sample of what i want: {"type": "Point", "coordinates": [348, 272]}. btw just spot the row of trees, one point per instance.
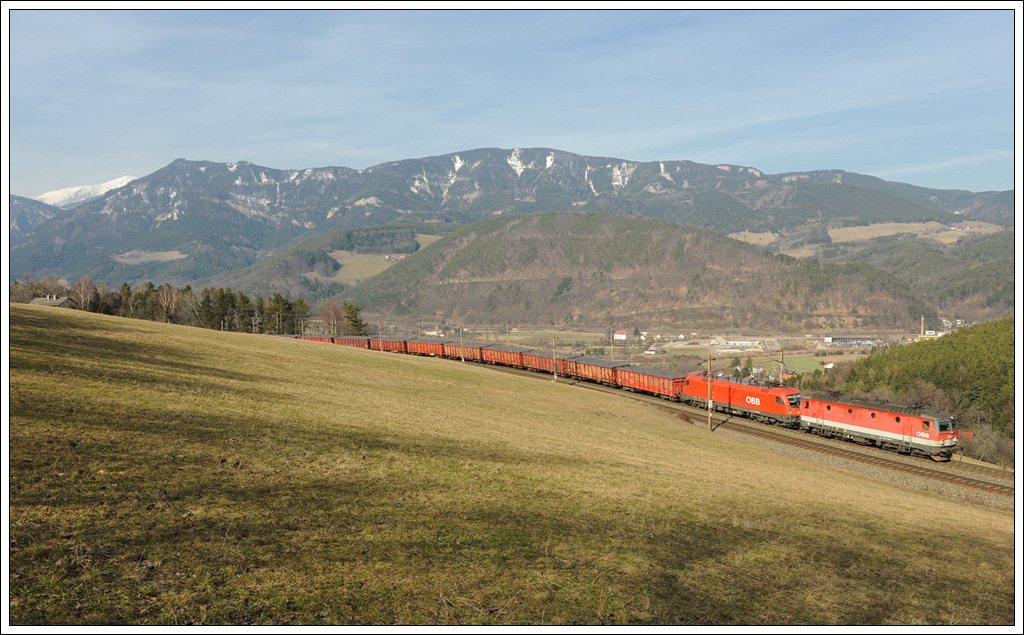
{"type": "Point", "coordinates": [211, 307]}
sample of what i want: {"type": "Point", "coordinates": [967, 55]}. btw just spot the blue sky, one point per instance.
{"type": "Point", "coordinates": [919, 97]}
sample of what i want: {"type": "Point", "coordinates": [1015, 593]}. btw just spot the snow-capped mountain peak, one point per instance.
{"type": "Point", "coordinates": [71, 196]}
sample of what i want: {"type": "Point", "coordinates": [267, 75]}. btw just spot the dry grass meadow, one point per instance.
{"type": "Point", "coordinates": [170, 475]}
{"type": "Point", "coordinates": [357, 268]}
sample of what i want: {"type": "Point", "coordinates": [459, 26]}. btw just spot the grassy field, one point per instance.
{"type": "Point", "coordinates": [169, 475]}
{"type": "Point", "coordinates": [755, 238]}
{"type": "Point", "coordinates": [355, 268]}
{"type": "Point", "coordinates": [794, 363]}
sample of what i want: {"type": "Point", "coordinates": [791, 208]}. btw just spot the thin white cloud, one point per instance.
{"type": "Point", "coordinates": [359, 88]}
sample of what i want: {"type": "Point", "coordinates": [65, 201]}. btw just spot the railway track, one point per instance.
{"type": "Point", "coordinates": [805, 441]}
{"type": "Point", "coordinates": [853, 455]}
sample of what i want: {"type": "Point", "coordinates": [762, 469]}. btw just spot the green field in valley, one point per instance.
{"type": "Point", "coordinates": [166, 475]}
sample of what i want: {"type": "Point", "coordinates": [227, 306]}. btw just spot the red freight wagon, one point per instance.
{"type": "Point", "coordinates": [771, 404]}
{"type": "Point", "coordinates": [387, 345]}
{"type": "Point", "coordinates": [663, 383]}
{"type": "Point", "coordinates": [543, 362]}
{"type": "Point", "coordinates": [470, 352]}
{"type": "Point", "coordinates": [318, 338]}
{"type": "Point", "coordinates": [503, 355]}
{"type": "Point", "coordinates": [590, 369]}
{"type": "Point", "coordinates": [425, 347]}
{"type": "Point", "coordinates": [355, 341]}
{"type": "Point", "coordinates": [903, 428]}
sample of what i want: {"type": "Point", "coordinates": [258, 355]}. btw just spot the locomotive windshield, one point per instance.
{"type": "Point", "coordinates": [945, 425]}
{"type": "Point", "coordinates": [794, 400]}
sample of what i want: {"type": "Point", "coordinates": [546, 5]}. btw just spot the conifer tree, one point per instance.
{"type": "Point", "coordinates": [354, 324]}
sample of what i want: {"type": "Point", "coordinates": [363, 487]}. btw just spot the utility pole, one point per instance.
{"type": "Point", "coordinates": [554, 357]}
{"type": "Point", "coordinates": [508, 335]}
{"type": "Point", "coordinates": [710, 403]}
{"type": "Point", "coordinates": [380, 335]}
{"type": "Point", "coordinates": [462, 344]}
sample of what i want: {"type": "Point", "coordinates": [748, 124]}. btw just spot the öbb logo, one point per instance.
{"type": "Point", "coordinates": [754, 401]}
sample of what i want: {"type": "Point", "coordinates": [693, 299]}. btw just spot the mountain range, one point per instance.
{"type": "Point", "coordinates": [201, 222]}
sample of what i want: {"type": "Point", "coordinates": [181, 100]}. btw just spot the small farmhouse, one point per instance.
{"type": "Point", "coordinates": [61, 301]}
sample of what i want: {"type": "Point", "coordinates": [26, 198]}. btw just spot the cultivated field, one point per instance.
{"type": "Point", "coordinates": [938, 231]}
{"type": "Point", "coordinates": [935, 230]}
{"type": "Point", "coordinates": [170, 475]}
{"type": "Point", "coordinates": [137, 257]}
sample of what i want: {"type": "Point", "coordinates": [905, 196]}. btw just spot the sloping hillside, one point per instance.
{"type": "Point", "coordinates": [167, 475]}
{"type": "Point", "coordinates": [27, 214]}
{"type": "Point", "coordinates": [973, 367]}
{"type": "Point", "coordinates": [973, 278]}
{"type": "Point", "coordinates": [595, 270]}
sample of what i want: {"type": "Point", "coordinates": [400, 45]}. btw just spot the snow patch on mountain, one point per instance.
{"type": "Point", "coordinates": [421, 183]}
{"type": "Point", "coordinates": [71, 196]}
{"type": "Point", "coordinates": [621, 174]}
{"type": "Point", "coordinates": [515, 162]}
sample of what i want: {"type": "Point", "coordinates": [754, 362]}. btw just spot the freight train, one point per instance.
{"type": "Point", "coordinates": [904, 429]}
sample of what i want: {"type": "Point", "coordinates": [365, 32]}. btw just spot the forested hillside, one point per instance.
{"type": "Point", "coordinates": [972, 366]}
{"type": "Point", "coordinates": [579, 269]}
{"type": "Point", "coordinates": [974, 273]}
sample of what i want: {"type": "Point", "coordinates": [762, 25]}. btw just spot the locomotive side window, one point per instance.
{"type": "Point", "coordinates": [945, 425]}
{"type": "Point", "coordinates": [872, 415]}
{"type": "Point", "coordinates": [849, 411]}
{"type": "Point", "coordinates": [778, 400]}
{"type": "Point", "coordinates": [828, 407]}
{"type": "Point", "coordinates": [897, 419]}
{"type": "Point", "coordinates": [927, 425]}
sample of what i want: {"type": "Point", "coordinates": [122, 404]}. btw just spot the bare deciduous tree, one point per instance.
{"type": "Point", "coordinates": [82, 291]}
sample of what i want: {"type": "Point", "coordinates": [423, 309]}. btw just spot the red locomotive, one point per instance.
{"type": "Point", "coordinates": [769, 404]}
{"type": "Point", "coordinates": [906, 429]}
